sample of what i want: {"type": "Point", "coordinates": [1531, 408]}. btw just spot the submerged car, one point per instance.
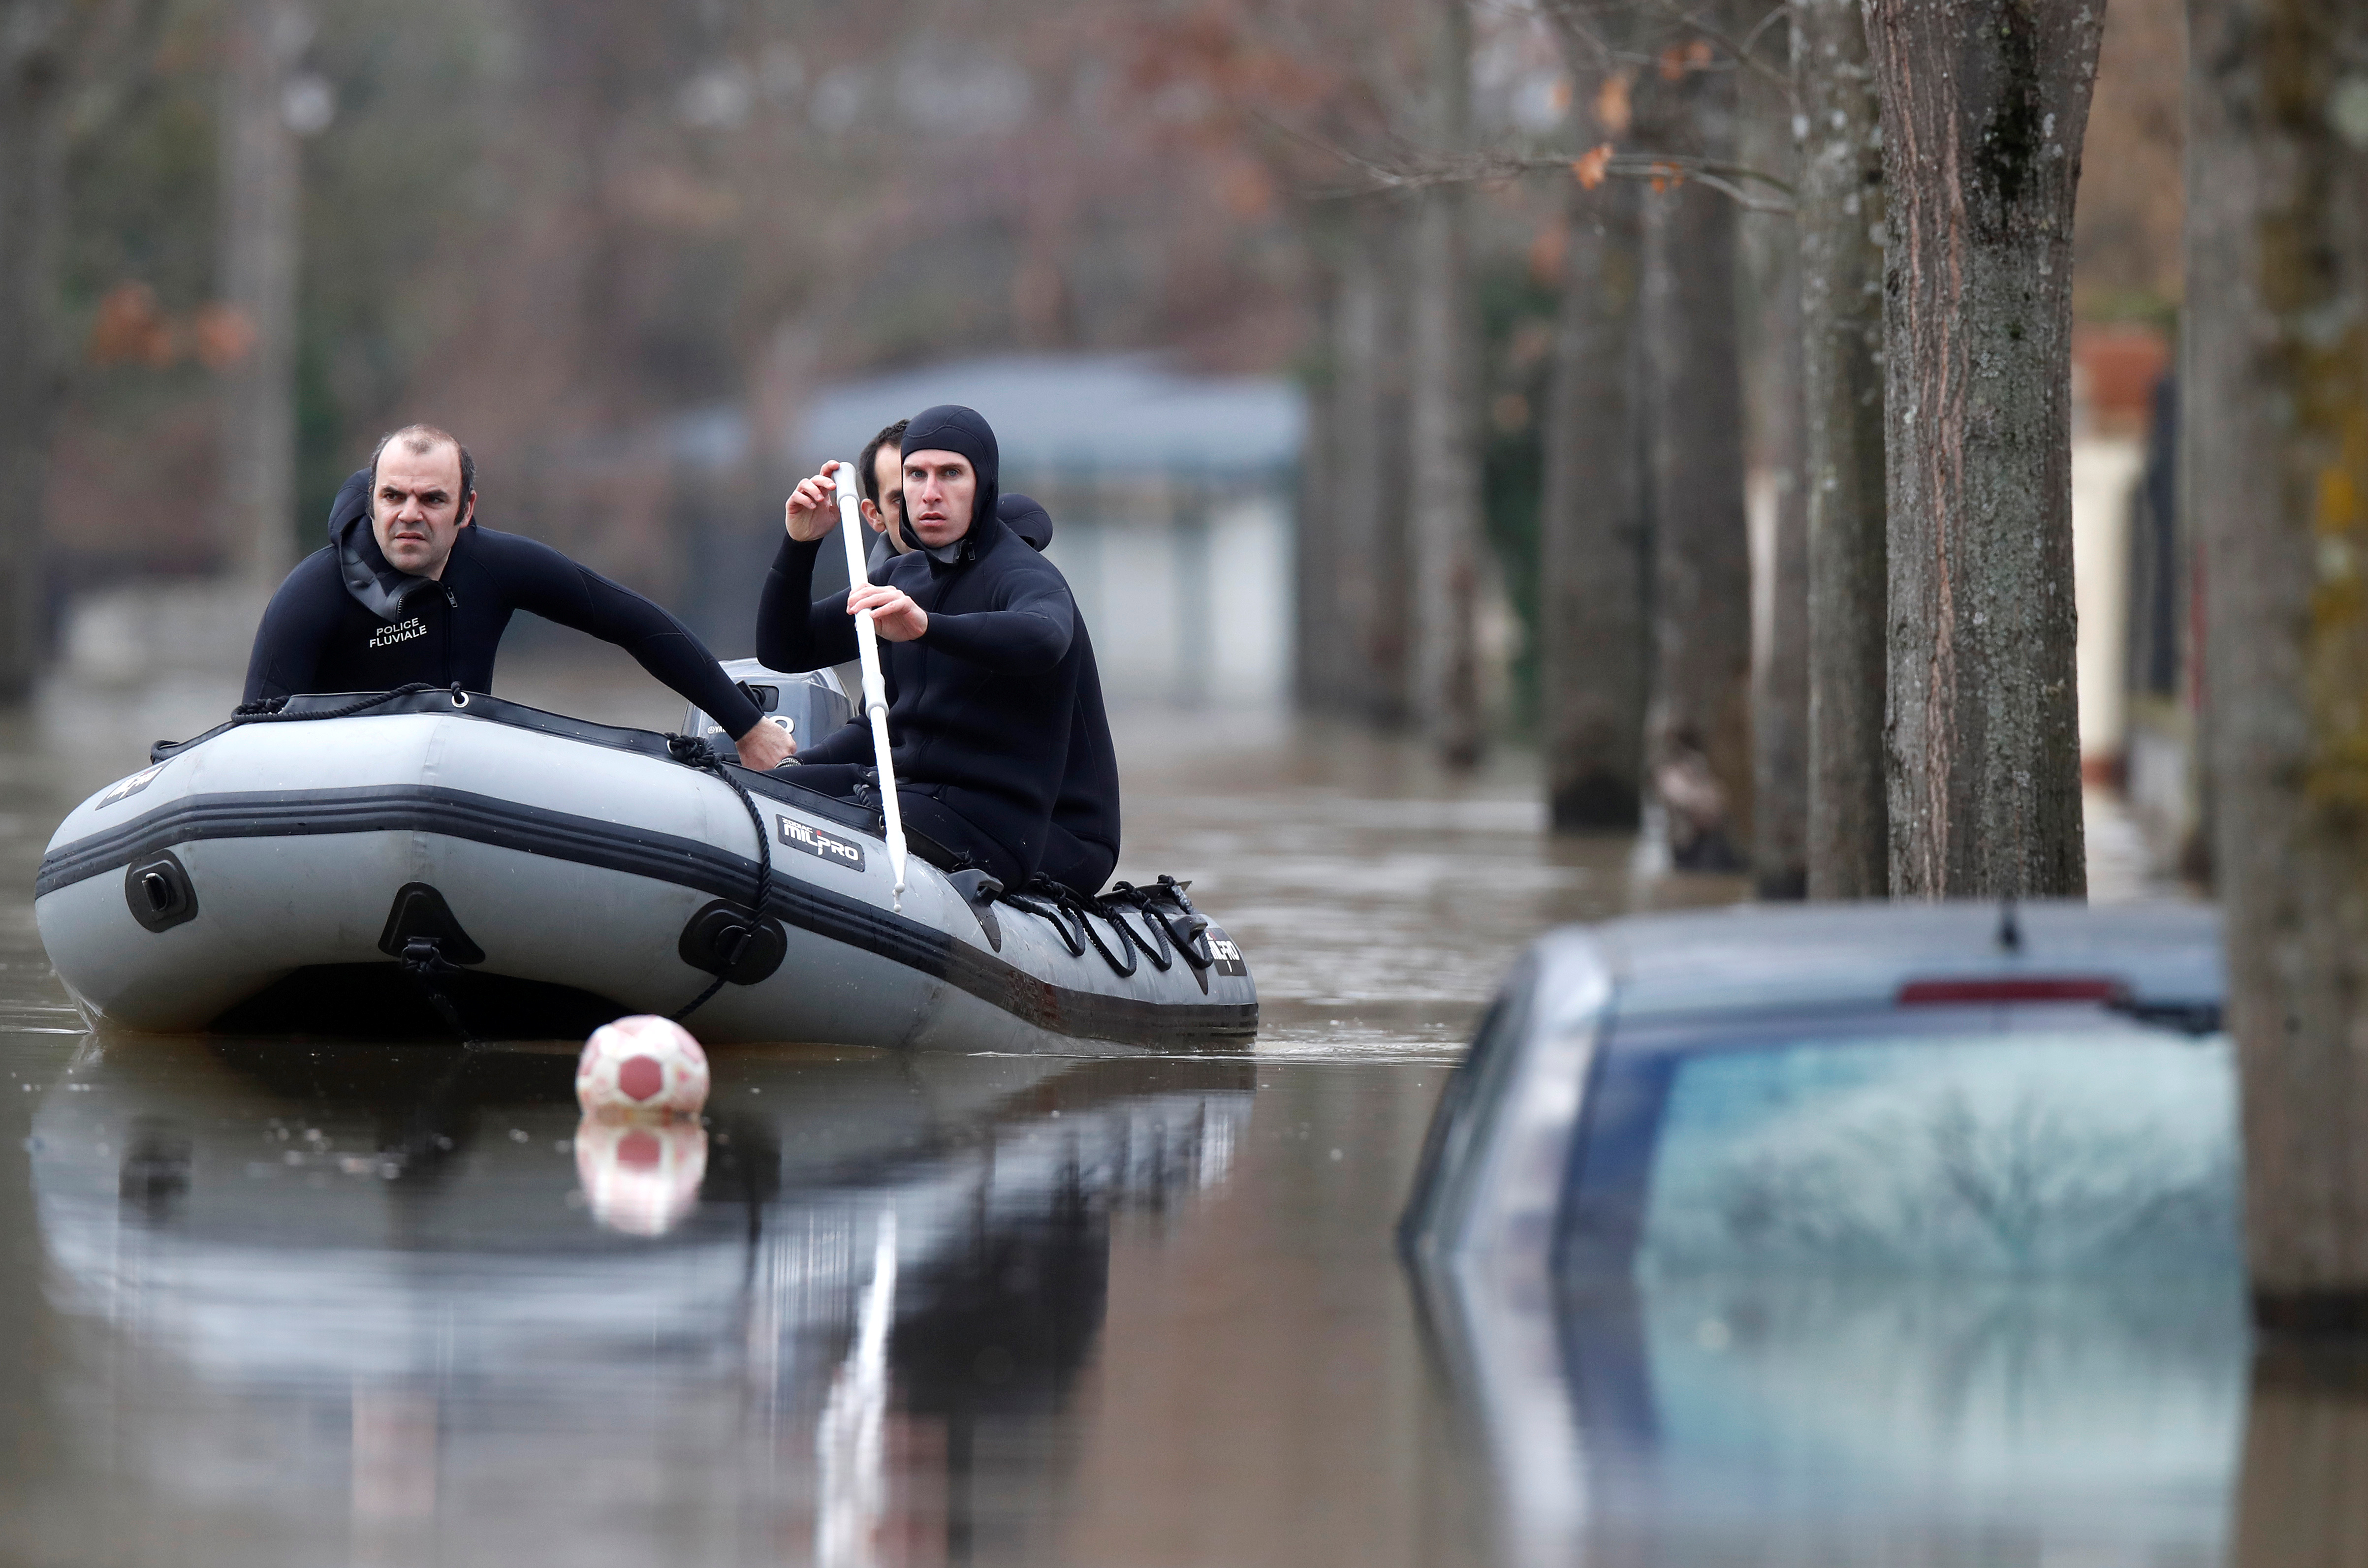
{"type": "Point", "coordinates": [1840, 1228]}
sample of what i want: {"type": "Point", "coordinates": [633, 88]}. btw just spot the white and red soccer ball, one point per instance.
{"type": "Point", "coordinates": [641, 1067]}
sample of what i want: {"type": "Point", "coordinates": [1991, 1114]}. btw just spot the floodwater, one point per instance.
{"type": "Point", "coordinates": [314, 1304]}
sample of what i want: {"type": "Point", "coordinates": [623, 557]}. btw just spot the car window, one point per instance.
{"type": "Point", "coordinates": [2092, 1146]}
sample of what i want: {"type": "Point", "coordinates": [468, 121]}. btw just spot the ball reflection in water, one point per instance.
{"type": "Point", "coordinates": [642, 1066]}
{"type": "Point", "coordinates": [640, 1178]}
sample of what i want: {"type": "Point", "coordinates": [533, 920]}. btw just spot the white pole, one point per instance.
{"type": "Point", "coordinates": [875, 698]}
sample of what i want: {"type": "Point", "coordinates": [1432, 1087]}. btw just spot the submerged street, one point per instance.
{"type": "Point", "coordinates": [302, 1302]}
{"type": "Point", "coordinates": [297, 1300]}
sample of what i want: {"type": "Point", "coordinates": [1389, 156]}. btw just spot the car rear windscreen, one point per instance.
{"type": "Point", "coordinates": [2081, 1146]}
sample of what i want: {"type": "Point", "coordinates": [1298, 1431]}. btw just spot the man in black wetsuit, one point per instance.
{"type": "Point", "coordinates": [410, 589]}
{"type": "Point", "coordinates": [982, 658]}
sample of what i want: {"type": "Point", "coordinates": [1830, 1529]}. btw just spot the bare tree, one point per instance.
{"type": "Point", "coordinates": [1368, 550]}
{"type": "Point", "coordinates": [259, 171]}
{"type": "Point", "coordinates": [1592, 533]}
{"type": "Point", "coordinates": [34, 49]}
{"type": "Point", "coordinates": [1840, 222]}
{"type": "Point", "coordinates": [1984, 104]}
{"type": "Point", "coordinates": [2275, 471]}
{"type": "Point", "coordinates": [1699, 723]}
{"type": "Point", "coordinates": [1445, 434]}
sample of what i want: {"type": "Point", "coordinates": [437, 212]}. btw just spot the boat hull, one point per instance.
{"type": "Point", "coordinates": [573, 859]}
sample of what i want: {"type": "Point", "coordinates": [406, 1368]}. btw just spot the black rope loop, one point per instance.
{"type": "Point", "coordinates": [1031, 899]}
{"type": "Point", "coordinates": [1085, 919]}
{"type": "Point", "coordinates": [1042, 891]}
{"type": "Point", "coordinates": [1196, 925]}
{"type": "Point", "coordinates": [1126, 895]}
{"type": "Point", "coordinates": [692, 752]}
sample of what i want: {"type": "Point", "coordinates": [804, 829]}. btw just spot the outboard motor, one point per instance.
{"type": "Point", "coordinates": [809, 706]}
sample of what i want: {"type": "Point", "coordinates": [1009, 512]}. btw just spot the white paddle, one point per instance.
{"type": "Point", "coordinates": [876, 699]}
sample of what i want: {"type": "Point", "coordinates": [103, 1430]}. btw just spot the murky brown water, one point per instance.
{"type": "Point", "coordinates": [274, 1305]}
{"type": "Point", "coordinates": [283, 1304]}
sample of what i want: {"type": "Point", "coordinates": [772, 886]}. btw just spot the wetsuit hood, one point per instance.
{"type": "Point", "coordinates": [1025, 516]}
{"type": "Point", "coordinates": [376, 583]}
{"type": "Point", "coordinates": [949, 428]}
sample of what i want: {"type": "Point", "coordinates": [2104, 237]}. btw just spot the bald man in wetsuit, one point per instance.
{"type": "Point", "coordinates": [410, 589]}
{"type": "Point", "coordinates": [981, 654]}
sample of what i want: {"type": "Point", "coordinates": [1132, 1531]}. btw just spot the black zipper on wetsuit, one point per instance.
{"type": "Point", "coordinates": [451, 607]}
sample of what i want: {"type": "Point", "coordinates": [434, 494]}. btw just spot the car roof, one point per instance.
{"type": "Point", "coordinates": [1753, 958]}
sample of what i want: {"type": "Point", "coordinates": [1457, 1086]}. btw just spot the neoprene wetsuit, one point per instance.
{"type": "Point", "coordinates": [318, 635]}
{"type": "Point", "coordinates": [980, 706]}
{"type": "Point", "coordinates": [1082, 848]}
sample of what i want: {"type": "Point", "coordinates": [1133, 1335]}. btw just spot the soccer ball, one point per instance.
{"type": "Point", "coordinates": [641, 1066]}
{"type": "Point", "coordinates": [639, 1177]}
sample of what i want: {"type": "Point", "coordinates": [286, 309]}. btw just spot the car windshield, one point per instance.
{"type": "Point", "coordinates": [1987, 1143]}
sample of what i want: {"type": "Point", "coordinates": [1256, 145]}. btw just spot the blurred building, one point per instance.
{"type": "Point", "coordinates": [2133, 582]}
{"type": "Point", "coordinates": [1171, 497]}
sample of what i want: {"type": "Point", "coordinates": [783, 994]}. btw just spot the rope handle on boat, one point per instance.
{"type": "Point", "coordinates": [1071, 916]}
{"type": "Point", "coordinates": [424, 961]}
{"type": "Point", "coordinates": [694, 752]}
{"type": "Point", "coordinates": [273, 709]}
{"type": "Point", "coordinates": [1196, 925]}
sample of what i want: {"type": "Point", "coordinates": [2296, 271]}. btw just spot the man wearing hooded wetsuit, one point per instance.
{"type": "Point", "coordinates": [409, 588]}
{"type": "Point", "coordinates": [981, 654]}
{"type": "Point", "coordinates": [1081, 846]}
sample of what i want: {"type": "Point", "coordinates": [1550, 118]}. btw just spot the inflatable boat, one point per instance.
{"type": "Point", "coordinates": [420, 862]}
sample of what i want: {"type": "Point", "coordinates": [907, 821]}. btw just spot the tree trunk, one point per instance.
{"type": "Point", "coordinates": [1984, 105]}
{"type": "Point", "coordinates": [1320, 661]}
{"type": "Point", "coordinates": [1780, 669]}
{"type": "Point", "coordinates": [1840, 216]}
{"type": "Point", "coordinates": [1591, 544]}
{"type": "Point", "coordinates": [32, 90]}
{"type": "Point", "coordinates": [1446, 524]}
{"type": "Point", "coordinates": [1369, 544]}
{"type": "Point", "coordinates": [258, 206]}
{"type": "Point", "coordinates": [1700, 721]}
{"type": "Point", "coordinates": [2299, 1502]}
{"type": "Point", "coordinates": [2276, 464]}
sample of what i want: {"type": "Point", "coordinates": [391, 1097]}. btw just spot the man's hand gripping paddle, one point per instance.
{"type": "Point", "coordinates": [876, 699]}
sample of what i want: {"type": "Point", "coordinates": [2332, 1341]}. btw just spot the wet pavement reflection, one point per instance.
{"type": "Point", "coordinates": [305, 1302]}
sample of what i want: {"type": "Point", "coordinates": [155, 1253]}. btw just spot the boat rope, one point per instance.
{"type": "Point", "coordinates": [695, 753]}
{"type": "Point", "coordinates": [273, 709]}
{"type": "Point", "coordinates": [1067, 924]}
{"type": "Point", "coordinates": [1071, 915]}
{"type": "Point", "coordinates": [424, 961]}
{"type": "Point", "coordinates": [1126, 895]}
{"type": "Point", "coordinates": [1196, 925]}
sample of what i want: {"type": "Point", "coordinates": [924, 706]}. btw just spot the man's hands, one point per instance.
{"type": "Point", "coordinates": [812, 510]}
{"type": "Point", "coordinates": [893, 613]}
{"type": "Point", "coordinates": [810, 513]}
{"type": "Point", "coordinates": [766, 746]}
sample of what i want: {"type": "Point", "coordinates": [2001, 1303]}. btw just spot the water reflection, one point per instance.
{"type": "Point", "coordinates": [1800, 1419]}
{"type": "Point", "coordinates": [403, 1285]}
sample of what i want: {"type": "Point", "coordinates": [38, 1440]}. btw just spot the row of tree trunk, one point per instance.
{"type": "Point", "coordinates": [1915, 715]}
{"type": "Point", "coordinates": [1908, 723]}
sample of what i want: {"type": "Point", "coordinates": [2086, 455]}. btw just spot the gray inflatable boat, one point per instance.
{"type": "Point", "coordinates": [418, 862]}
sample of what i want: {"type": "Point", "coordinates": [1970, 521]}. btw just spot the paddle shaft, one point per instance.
{"type": "Point", "coordinates": [875, 696]}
